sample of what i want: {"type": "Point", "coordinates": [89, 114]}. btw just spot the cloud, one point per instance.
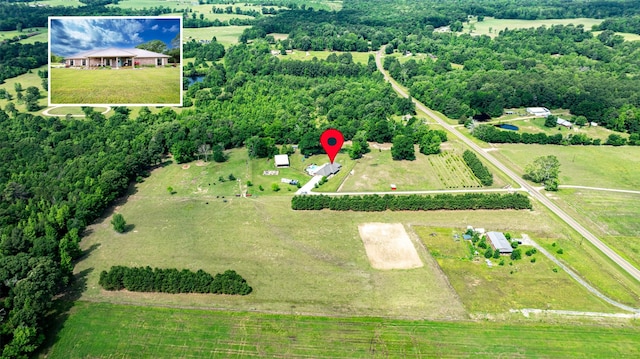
{"type": "Point", "coordinates": [173, 28]}
{"type": "Point", "coordinates": [155, 27]}
{"type": "Point", "coordinates": [73, 35]}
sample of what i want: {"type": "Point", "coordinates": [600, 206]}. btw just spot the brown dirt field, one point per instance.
{"type": "Point", "coordinates": [388, 246]}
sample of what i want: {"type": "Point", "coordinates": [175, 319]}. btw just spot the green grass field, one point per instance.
{"type": "Point", "coordinates": [126, 86]}
{"type": "Point", "coordinates": [226, 35]}
{"type": "Point", "coordinates": [73, 3]}
{"type": "Point", "coordinates": [26, 80]}
{"type": "Point", "coordinates": [377, 170]}
{"type": "Point", "coordinates": [492, 27]}
{"type": "Point", "coordinates": [100, 330]}
{"type": "Point", "coordinates": [594, 166]}
{"type": "Point", "coordinates": [72, 110]}
{"type": "Point", "coordinates": [305, 262]}
{"type": "Point", "coordinates": [612, 216]}
{"type": "Point", "coordinates": [627, 36]}
{"type": "Point", "coordinates": [358, 57]}
{"type": "Point", "coordinates": [499, 288]}
{"type": "Point", "coordinates": [536, 125]}
{"type": "Point", "coordinates": [41, 36]}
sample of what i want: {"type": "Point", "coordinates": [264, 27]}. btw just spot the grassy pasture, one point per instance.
{"type": "Point", "coordinates": [73, 110]}
{"type": "Point", "coordinates": [226, 35]}
{"type": "Point", "coordinates": [71, 3]}
{"type": "Point", "coordinates": [100, 330]}
{"type": "Point", "coordinates": [42, 35]}
{"type": "Point", "coordinates": [377, 170]}
{"type": "Point", "coordinates": [298, 262]}
{"type": "Point", "coordinates": [612, 216]}
{"type": "Point", "coordinates": [358, 57]}
{"type": "Point", "coordinates": [497, 289]}
{"type": "Point", "coordinates": [492, 27]}
{"type": "Point", "coordinates": [627, 36]}
{"type": "Point", "coordinates": [26, 80]}
{"type": "Point", "coordinates": [126, 86]}
{"type": "Point", "coordinates": [594, 166]}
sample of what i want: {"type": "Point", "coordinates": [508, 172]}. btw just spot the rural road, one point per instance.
{"type": "Point", "coordinates": [601, 189]}
{"type": "Point", "coordinates": [624, 264]}
{"type": "Point", "coordinates": [480, 190]}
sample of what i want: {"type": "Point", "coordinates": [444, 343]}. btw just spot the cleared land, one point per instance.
{"type": "Point", "coordinates": [37, 34]}
{"type": "Point", "coordinates": [358, 57]}
{"type": "Point", "coordinates": [100, 330]}
{"type": "Point", "coordinates": [388, 246]}
{"type": "Point", "coordinates": [515, 284]}
{"type": "Point", "coordinates": [126, 86]}
{"type": "Point", "coordinates": [376, 171]}
{"type": "Point", "coordinates": [612, 216]}
{"type": "Point", "coordinates": [26, 80]}
{"type": "Point", "coordinates": [226, 35]}
{"type": "Point", "coordinates": [72, 110]}
{"type": "Point", "coordinates": [492, 27]}
{"type": "Point", "coordinates": [298, 261]}
{"type": "Point", "coordinates": [594, 166]}
{"type": "Point", "coordinates": [536, 125]}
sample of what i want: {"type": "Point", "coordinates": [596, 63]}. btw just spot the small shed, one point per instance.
{"type": "Point", "coordinates": [281, 160]}
{"type": "Point", "coordinates": [393, 187]}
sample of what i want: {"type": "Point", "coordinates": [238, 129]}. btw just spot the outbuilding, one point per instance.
{"type": "Point", "coordinates": [499, 242]}
{"type": "Point", "coordinates": [538, 111]}
{"type": "Point", "coordinates": [281, 160]}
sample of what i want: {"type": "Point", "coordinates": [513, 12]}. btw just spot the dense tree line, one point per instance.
{"type": "Point", "coordinates": [492, 134]}
{"type": "Point", "coordinates": [20, 16]}
{"type": "Point", "coordinates": [629, 24]}
{"type": "Point", "coordinates": [375, 203]}
{"type": "Point", "coordinates": [55, 178]}
{"type": "Point", "coordinates": [479, 170]}
{"type": "Point", "coordinates": [17, 59]}
{"type": "Point", "coordinates": [145, 279]}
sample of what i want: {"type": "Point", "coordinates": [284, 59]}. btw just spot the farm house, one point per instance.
{"type": "Point", "coordinates": [116, 58]}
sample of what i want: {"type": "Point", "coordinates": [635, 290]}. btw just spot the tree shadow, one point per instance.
{"type": "Point", "coordinates": [128, 228]}
{"type": "Point", "coordinates": [61, 309]}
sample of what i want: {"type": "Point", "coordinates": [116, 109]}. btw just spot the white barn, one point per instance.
{"type": "Point", "coordinates": [281, 160]}
{"type": "Point", "coordinates": [499, 242]}
{"type": "Point", "coordinates": [538, 111]}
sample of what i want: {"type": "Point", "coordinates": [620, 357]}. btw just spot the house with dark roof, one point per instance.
{"type": "Point", "coordinates": [116, 58]}
{"type": "Point", "coordinates": [328, 169]}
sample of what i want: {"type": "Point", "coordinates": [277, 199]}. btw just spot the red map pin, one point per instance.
{"type": "Point", "coordinates": [332, 141]}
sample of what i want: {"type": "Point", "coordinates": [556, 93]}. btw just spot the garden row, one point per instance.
{"type": "Point", "coordinates": [480, 170]}
{"type": "Point", "coordinates": [452, 172]}
{"type": "Point", "coordinates": [145, 279]}
{"type": "Point", "coordinates": [375, 203]}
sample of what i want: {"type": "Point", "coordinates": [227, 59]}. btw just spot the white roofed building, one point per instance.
{"type": "Point", "coordinates": [499, 242]}
{"type": "Point", "coordinates": [538, 111]}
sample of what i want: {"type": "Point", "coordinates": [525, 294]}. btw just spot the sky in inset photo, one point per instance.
{"type": "Point", "coordinates": [77, 34]}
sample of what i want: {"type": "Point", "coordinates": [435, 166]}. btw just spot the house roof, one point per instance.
{"type": "Point", "coordinates": [117, 52]}
{"type": "Point", "coordinates": [499, 242]}
{"type": "Point", "coordinates": [281, 160]}
{"type": "Point", "coordinates": [328, 169]}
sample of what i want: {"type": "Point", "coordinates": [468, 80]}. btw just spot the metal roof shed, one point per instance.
{"type": "Point", "coordinates": [499, 242]}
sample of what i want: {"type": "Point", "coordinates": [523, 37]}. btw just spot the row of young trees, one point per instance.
{"type": "Point", "coordinates": [479, 170]}
{"type": "Point", "coordinates": [145, 279]}
{"type": "Point", "coordinates": [376, 203]}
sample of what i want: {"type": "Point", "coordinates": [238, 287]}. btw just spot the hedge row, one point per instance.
{"type": "Point", "coordinates": [375, 203]}
{"type": "Point", "coordinates": [145, 279]}
{"type": "Point", "coordinates": [480, 170]}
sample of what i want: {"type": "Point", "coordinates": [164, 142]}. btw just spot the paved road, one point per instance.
{"type": "Point", "coordinates": [624, 264]}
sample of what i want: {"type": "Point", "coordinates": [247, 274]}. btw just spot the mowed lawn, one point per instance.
{"type": "Point", "coordinates": [226, 35]}
{"type": "Point", "coordinates": [100, 330]}
{"type": "Point", "coordinates": [121, 86]}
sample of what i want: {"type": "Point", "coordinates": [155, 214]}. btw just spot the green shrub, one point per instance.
{"type": "Point", "coordinates": [118, 222]}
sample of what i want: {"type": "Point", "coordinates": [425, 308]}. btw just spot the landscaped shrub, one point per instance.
{"type": "Point", "coordinates": [145, 279]}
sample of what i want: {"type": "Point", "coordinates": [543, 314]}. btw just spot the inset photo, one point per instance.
{"type": "Point", "coordinates": [115, 61]}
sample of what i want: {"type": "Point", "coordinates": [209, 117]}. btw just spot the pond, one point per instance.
{"type": "Point", "coordinates": [508, 127]}
{"type": "Point", "coordinates": [194, 79]}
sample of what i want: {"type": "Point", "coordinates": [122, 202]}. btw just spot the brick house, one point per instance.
{"type": "Point", "coordinates": [116, 58]}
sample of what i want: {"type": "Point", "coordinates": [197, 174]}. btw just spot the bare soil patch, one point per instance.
{"type": "Point", "coordinates": [185, 167]}
{"type": "Point", "coordinates": [388, 246]}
